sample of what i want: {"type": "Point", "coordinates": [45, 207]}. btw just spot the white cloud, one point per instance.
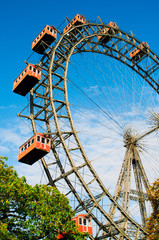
{"type": "Point", "coordinates": [4, 150]}
{"type": "Point", "coordinates": [33, 173]}
{"type": "Point", "coordinates": [8, 107]}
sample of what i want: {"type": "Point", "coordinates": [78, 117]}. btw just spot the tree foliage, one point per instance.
{"type": "Point", "coordinates": [153, 220]}
{"type": "Point", "coordinates": [30, 213]}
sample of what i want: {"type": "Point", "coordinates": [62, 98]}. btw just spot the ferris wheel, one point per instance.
{"type": "Point", "coordinates": [92, 96]}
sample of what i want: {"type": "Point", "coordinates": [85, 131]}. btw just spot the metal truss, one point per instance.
{"type": "Point", "coordinates": [49, 107]}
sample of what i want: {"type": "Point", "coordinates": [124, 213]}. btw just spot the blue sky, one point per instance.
{"type": "Point", "coordinates": [21, 21]}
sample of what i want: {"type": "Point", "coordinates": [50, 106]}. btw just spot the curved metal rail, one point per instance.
{"type": "Point", "coordinates": [49, 105]}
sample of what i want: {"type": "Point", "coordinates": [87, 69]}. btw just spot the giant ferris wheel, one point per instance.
{"type": "Point", "coordinates": [94, 93]}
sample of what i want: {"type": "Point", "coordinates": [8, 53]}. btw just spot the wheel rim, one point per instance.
{"type": "Point", "coordinates": [56, 76]}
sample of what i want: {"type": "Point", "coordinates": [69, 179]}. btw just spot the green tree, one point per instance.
{"type": "Point", "coordinates": [153, 220]}
{"type": "Point", "coordinates": [30, 213]}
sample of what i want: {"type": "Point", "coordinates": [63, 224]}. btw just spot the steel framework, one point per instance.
{"type": "Point", "coordinates": [132, 164]}
{"type": "Point", "coordinates": [49, 106]}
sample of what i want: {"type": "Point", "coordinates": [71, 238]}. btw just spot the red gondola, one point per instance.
{"type": "Point", "coordinates": [34, 149]}
{"type": "Point", "coordinates": [105, 38]}
{"type": "Point", "coordinates": [44, 39]}
{"type": "Point", "coordinates": [77, 20]}
{"type": "Point", "coordinates": [27, 80]}
{"type": "Point", "coordinates": [84, 224]}
{"type": "Point", "coordinates": [137, 53]}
